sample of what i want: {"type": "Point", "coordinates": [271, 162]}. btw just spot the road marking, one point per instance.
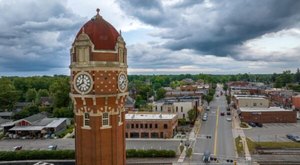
{"type": "Point", "coordinates": [216, 132]}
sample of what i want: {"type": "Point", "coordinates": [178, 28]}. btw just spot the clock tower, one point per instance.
{"type": "Point", "coordinates": [98, 92]}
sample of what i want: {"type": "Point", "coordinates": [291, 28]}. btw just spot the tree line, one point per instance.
{"type": "Point", "coordinates": [141, 87]}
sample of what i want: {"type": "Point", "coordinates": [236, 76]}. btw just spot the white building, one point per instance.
{"type": "Point", "coordinates": [181, 108]}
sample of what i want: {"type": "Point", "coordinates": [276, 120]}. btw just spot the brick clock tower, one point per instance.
{"type": "Point", "coordinates": [98, 91]}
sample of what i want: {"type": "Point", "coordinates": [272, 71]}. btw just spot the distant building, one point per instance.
{"type": "Point", "coordinates": [46, 101]}
{"type": "Point", "coordinates": [267, 115]}
{"type": "Point", "coordinates": [38, 125]}
{"type": "Point", "coordinates": [250, 101]}
{"type": "Point", "coordinates": [19, 106]}
{"type": "Point", "coordinates": [280, 97]}
{"type": "Point", "coordinates": [6, 115]}
{"type": "Point", "coordinates": [296, 102]}
{"type": "Point", "coordinates": [129, 104]}
{"type": "Point", "coordinates": [178, 105]}
{"type": "Point", "coordinates": [150, 125]}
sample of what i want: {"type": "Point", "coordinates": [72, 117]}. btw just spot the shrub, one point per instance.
{"type": "Point", "coordinates": [70, 154]}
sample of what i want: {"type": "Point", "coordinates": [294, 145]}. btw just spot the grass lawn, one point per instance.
{"type": "Point", "coordinates": [253, 145]}
{"type": "Point", "coordinates": [239, 146]}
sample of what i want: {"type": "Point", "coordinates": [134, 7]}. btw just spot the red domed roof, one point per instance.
{"type": "Point", "coordinates": [103, 35]}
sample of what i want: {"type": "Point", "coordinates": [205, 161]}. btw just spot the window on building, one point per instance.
{"type": "Point", "coordinates": [161, 108]}
{"type": "Point", "coordinates": [260, 103]}
{"type": "Point", "coordinates": [146, 125]}
{"type": "Point", "coordinates": [105, 119]}
{"type": "Point", "coordinates": [86, 119]}
{"type": "Point", "coordinates": [183, 115]}
{"type": "Point", "coordinates": [120, 117]}
{"type": "Point", "coordinates": [155, 125]}
{"type": "Point", "coordinates": [181, 109]}
{"type": "Point", "coordinates": [156, 108]}
{"type": "Point", "coordinates": [136, 125]}
{"type": "Point", "coordinates": [127, 126]}
{"type": "Point", "coordinates": [165, 126]}
{"type": "Point", "coordinates": [254, 104]}
{"type": "Point", "coordinates": [142, 125]}
{"type": "Point", "coordinates": [132, 125]}
{"type": "Point", "coordinates": [176, 109]}
{"type": "Point", "coordinates": [150, 125]}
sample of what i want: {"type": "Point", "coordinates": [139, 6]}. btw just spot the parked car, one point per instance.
{"type": "Point", "coordinates": [228, 109]}
{"type": "Point", "coordinates": [252, 124]}
{"type": "Point", "coordinates": [207, 108]}
{"type": "Point", "coordinates": [295, 138]}
{"type": "Point", "coordinates": [259, 125]}
{"type": "Point", "coordinates": [228, 119]}
{"type": "Point", "coordinates": [204, 118]}
{"type": "Point", "coordinates": [17, 148]}
{"type": "Point", "coordinates": [290, 136]}
{"type": "Point", "coordinates": [52, 147]}
{"type": "Point", "coordinates": [222, 113]}
{"type": "Point", "coordinates": [228, 113]}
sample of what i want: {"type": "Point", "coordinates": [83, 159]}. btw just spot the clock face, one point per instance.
{"type": "Point", "coordinates": [122, 82]}
{"type": "Point", "coordinates": [83, 83]}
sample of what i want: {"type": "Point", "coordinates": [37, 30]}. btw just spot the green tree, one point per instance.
{"type": "Point", "coordinates": [208, 98]}
{"type": "Point", "coordinates": [22, 114]}
{"type": "Point", "coordinates": [63, 112]}
{"type": "Point", "coordinates": [59, 90]}
{"type": "Point", "coordinates": [32, 109]}
{"type": "Point", "coordinates": [8, 94]}
{"type": "Point", "coordinates": [192, 115]}
{"type": "Point", "coordinates": [160, 93]}
{"type": "Point", "coordinates": [30, 95]}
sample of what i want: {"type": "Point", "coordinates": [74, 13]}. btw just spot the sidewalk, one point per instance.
{"type": "Point", "coordinates": [238, 131]}
{"type": "Point", "coordinates": [192, 138]}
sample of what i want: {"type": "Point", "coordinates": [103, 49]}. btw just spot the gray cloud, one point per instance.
{"type": "Point", "coordinates": [215, 27]}
{"type": "Point", "coordinates": [36, 35]}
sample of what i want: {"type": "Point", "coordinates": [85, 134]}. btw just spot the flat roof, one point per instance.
{"type": "Point", "coordinates": [251, 98]}
{"type": "Point", "coordinates": [55, 123]}
{"type": "Point", "coordinates": [149, 116]}
{"type": "Point", "coordinates": [259, 109]}
{"type": "Point", "coordinates": [27, 128]}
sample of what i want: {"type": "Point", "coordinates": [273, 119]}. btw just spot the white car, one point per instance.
{"type": "Point", "coordinates": [228, 119]}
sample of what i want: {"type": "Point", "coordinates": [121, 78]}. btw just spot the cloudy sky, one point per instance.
{"type": "Point", "coordinates": [162, 36]}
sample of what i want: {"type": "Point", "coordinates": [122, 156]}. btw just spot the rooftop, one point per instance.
{"type": "Point", "coordinates": [271, 109]}
{"type": "Point", "coordinates": [149, 116]}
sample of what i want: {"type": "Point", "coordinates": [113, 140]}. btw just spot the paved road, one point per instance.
{"type": "Point", "coordinates": [38, 144]}
{"type": "Point", "coordinates": [221, 143]}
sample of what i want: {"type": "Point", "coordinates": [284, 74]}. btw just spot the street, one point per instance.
{"type": "Point", "coordinates": [219, 129]}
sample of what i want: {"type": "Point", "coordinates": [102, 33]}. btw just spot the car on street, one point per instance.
{"type": "Point", "coordinates": [222, 113]}
{"type": "Point", "coordinates": [207, 108]}
{"type": "Point", "coordinates": [17, 148]}
{"type": "Point", "coordinates": [228, 113]}
{"type": "Point", "coordinates": [206, 157]}
{"type": "Point", "coordinates": [252, 124]}
{"type": "Point", "coordinates": [52, 147]}
{"type": "Point", "coordinates": [228, 119]}
{"type": "Point", "coordinates": [204, 118]}
{"type": "Point", "coordinates": [259, 125]}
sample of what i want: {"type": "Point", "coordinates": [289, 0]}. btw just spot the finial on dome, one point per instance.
{"type": "Point", "coordinates": [82, 30]}
{"type": "Point", "coordinates": [98, 10]}
{"type": "Point", "coordinates": [120, 32]}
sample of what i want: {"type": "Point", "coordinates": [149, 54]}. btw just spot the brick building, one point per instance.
{"type": "Point", "coordinates": [150, 125]}
{"type": "Point", "coordinates": [98, 92]}
{"type": "Point", "coordinates": [267, 115]}
{"type": "Point", "coordinates": [296, 102]}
